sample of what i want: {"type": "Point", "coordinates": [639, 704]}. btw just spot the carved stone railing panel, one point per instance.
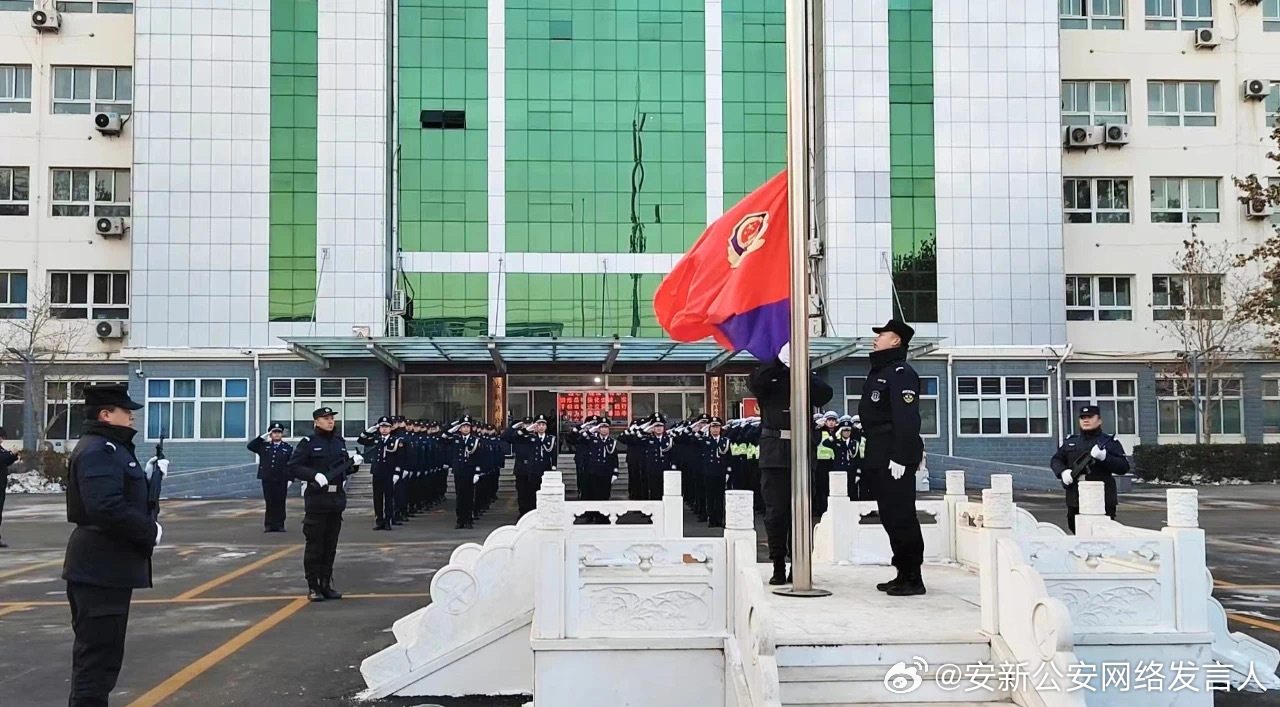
{"type": "Point", "coordinates": [1109, 584]}
{"type": "Point", "coordinates": [667, 586]}
{"type": "Point", "coordinates": [968, 531]}
{"type": "Point", "coordinates": [753, 633]}
{"type": "Point", "coordinates": [868, 543]}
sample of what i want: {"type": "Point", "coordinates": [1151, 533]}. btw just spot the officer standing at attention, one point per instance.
{"type": "Point", "coordinates": [383, 450]}
{"type": "Point", "coordinates": [535, 452]}
{"type": "Point", "coordinates": [891, 424]}
{"type": "Point", "coordinates": [1089, 455]}
{"type": "Point", "coordinates": [320, 461]}
{"type": "Point", "coordinates": [715, 470]}
{"type": "Point", "coordinates": [7, 458]}
{"type": "Point", "coordinates": [109, 552]}
{"type": "Point", "coordinates": [273, 454]}
{"type": "Point", "coordinates": [771, 385]}
{"type": "Point", "coordinates": [464, 449]}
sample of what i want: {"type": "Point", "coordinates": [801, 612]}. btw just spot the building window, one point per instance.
{"type": "Point", "coordinates": [1200, 204]}
{"type": "Point", "coordinates": [1095, 200]}
{"type": "Point", "coordinates": [15, 87]}
{"type": "Point", "coordinates": [1221, 400]}
{"type": "Point", "coordinates": [72, 196]}
{"type": "Point", "coordinates": [1271, 106]}
{"type": "Point", "coordinates": [1172, 14]}
{"type": "Point", "coordinates": [86, 89]}
{"type": "Point", "coordinates": [1175, 297]}
{"type": "Point", "coordinates": [1095, 102]}
{"type": "Point", "coordinates": [444, 119]}
{"type": "Point", "coordinates": [1009, 406]}
{"type": "Point", "coordinates": [1190, 103]}
{"type": "Point", "coordinates": [13, 403]}
{"type": "Point", "coordinates": [15, 191]}
{"type": "Point", "coordinates": [1274, 183]}
{"type": "Point", "coordinates": [64, 407]}
{"type": "Point", "coordinates": [197, 408]}
{"type": "Point", "coordinates": [1091, 14]}
{"type": "Point", "coordinates": [1271, 15]}
{"type": "Point", "coordinates": [1271, 406]}
{"type": "Point", "coordinates": [927, 396]}
{"type": "Point", "coordinates": [89, 295]}
{"type": "Point", "coordinates": [1107, 298]}
{"type": "Point", "coordinates": [104, 7]}
{"type": "Point", "coordinates": [292, 400]}
{"type": "Point", "coordinates": [15, 5]}
{"type": "Point", "coordinates": [13, 294]}
{"type": "Point", "coordinates": [1117, 398]}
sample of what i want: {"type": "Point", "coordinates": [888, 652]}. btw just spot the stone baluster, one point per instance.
{"type": "Point", "coordinates": [1093, 507]}
{"type": "Point", "coordinates": [997, 522]}
{"type": "Point", "coordinates": [1193, 591]}
{"type": "Point", "coordinates": [1002, 483]}
{"type": "Point", "coordinates": [839, 516]}
{"type": "Point", "coordinates": [549, 591]}
{"type": "Point", "coordinates": [739, 538]}
{"type": "Point", "coordinates": [955, 495]}
{"type": "Point", "coordinates": [672, 505]}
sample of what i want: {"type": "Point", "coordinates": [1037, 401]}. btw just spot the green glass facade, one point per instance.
{"type": "Point", "coordinates": [560, 304]}
{"type": "Point", "coordinates": [605, 125]}
{"type": "Point", "coordinates": [292, 250]}
{"type": "Point", "coordinates": [913, 215]}
{"type": "Point", "coordinates": [448, 304]}
{"type": "Point", "coordinates": [755, 95]}
{"type": "Point", "coordinates": [443, 180]}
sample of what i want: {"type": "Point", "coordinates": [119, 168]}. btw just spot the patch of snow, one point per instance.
{"type": "Point", "coordinates": [32, 482]}
{"type": "Point", "coordinates": [1196, 480]}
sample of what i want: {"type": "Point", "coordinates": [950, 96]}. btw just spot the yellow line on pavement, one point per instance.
{"type": "Point", "coordinates": [1228, 585]}
{"type": "Point", "coordinates": [14, 608]}
{"type": "Point", "coordinates": [178, 680]}
{"type": "Point", "coordinates": [1224, 583]}
{"type": "Point", "coordinates": [30, 568]}
{"type": "Point", "coordinates": [235, 574]}
{"type": "Point", "coordinates": [1254, 622]}
{"type": "Point", "coordinates": [11, 606]}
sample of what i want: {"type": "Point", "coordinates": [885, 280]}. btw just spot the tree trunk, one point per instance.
{"type": "Point", "coordinates": [30, 433]}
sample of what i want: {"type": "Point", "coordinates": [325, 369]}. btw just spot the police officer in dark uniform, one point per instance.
{"type": "Point", "coordinates": [535, 452]}
{"type": "Point", "coordinates": [714, 468]}
{"type": "Point", "coordinates": [1089, 455]}
{"type": "Point", "coordinates": [7, 458]}
{"type": "Point", "coordinates": [600, 465]}
{"type": "Point", "coordinates": [890, 415]}
{"type": "Point", "coordinates": [383, 450]}
{"type": "Point", "coordinates": [321, 462]}
{"type": "Point", "coordinates": [273, 454]}
{"type": "Point", "coordinates": [771, 385]}
{"type": "Point", "coordinates": [109, 552]}
{"type": "Point", "coordinates": [463, 448]}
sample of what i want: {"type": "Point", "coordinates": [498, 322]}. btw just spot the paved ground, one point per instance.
{"type": "Point", "coordinates": [226, 624]}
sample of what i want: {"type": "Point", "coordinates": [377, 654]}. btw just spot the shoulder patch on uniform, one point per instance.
{"type": "Point", "coordinates": [899, 369]}
{"type": "Point", "coordinates": [305, 439]}
{"type": "Point", "coordinates": [908, 396]}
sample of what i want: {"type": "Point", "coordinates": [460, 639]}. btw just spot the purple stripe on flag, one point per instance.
{"type": "Point", "coordinates": [762, 331]}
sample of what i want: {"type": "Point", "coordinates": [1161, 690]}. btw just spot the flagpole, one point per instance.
{"type": "Point", "coordinates": [798, 190]}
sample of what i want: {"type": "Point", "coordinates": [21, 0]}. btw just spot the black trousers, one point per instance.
{"type": "Point", "coordinates": [273, 493]}
{"type": "Point", "coordinates": [896, 502]}
{"type": "Point", "coordinates": [527, 485]}
{"type": "Point", "coordinates": [321, 533]}
{"type": "Point", "coordinates": [464, 488]}
{"type": "Point", "coordinates": [775, 486]}
{"type": "Point", "coordinates": [653, 485]}
{"type": "Point", "coordinates": [4, 480]}
{"type": "Point", "coordinates": [99, 619]}
{"type": "Point", "coordinates": [714, 483]}
{"type": "Point", "coordinates": [401, 496]}
{"type": "Point", "coordinates": [384, 506]}
{"type": "Point", "coordinates": [597, 487]}
{"type": "Point", "coordinates": [1073, 511]}
{"type": "Point", "coordinates": [821, 488]}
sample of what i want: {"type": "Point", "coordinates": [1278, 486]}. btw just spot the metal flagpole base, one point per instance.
{"type": "Point", "coordinates": [804, 593]}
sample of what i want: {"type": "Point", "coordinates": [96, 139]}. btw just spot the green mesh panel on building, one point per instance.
{"type": "Point", "coordinates": [595, 304]}
{"type": "Point", "coordinates": [606, 125]}
{"type": "Point", "coordinates": [755, 95]}
{"type": "Point", "coordinates": [292, 262]}
{"type": "Point", "coordinates": [914, 220]}
{"type": "Point", "coordinates": [447, 304]}
{"type": "Point", "coordinates": [443, 182]}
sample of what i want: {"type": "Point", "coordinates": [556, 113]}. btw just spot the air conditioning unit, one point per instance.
{"type": "Point", "coordinates": [109, 329]}
{"type": "Point", "coordinates": [1258, 208]}
{"type": "Point", "coordinates": [1117, 134]}
{"type": "Point", "coordinates": [107, 123]}
{"type": "Point", "coordinates": [395, 325]}
{"type": "Point", "coordinates": [1083, 136]}
{"type": "Point", "coordinates": [46, 20]}
{"type": "Point", "coordinates": [110, 226]}
{"type": "Point", "coordinates": [1255, 89]}
{"type": "Point", "coordinates": [398, 301]}
{"type": "Point", "coordinates": [1207, 38]}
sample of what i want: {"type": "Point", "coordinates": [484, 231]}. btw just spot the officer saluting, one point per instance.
{"type": "Point", "coordinates": [891, 424]}
{"type": "Point", "coordinates": [535, 453]}
{"type": "Point", "coordinates": [273, 454]}
{"type": "Point", "coordinates": [321, 462]}
{"type": "Point", "coordinates": [109, 552]}
{"type": "Point", "coordinates": [1089, 455]}
{"type": "Point", "coordinates": [384, 451]}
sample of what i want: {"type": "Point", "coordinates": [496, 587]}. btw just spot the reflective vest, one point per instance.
{"type": "Point", "coordinates": [824, 452]}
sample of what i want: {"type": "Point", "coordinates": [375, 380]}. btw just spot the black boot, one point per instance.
{"type": "Point", "coordinates": [779, 574]}
{"type": "Point", "coordinates": [315, 593]}
{"type": "Point", "coordinates": [326, 588]}
{"type": "Point", "coordinates": [912, 586]}
{"type": "Point", "coordinates": [886, 586]}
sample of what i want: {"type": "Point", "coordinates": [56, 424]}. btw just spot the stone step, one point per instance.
{"type": "Point", "coordinates": [901, 704]}
{"type": "Point", "coordinates": [855, 673]}
{"type": "Point", "coordinates": [881, 655]}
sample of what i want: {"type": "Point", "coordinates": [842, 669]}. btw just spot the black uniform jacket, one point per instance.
{"type": "Point", "coordinates": [272, 458]}
{"type": "Point", "coordinates": [322, 453]}
{"type": "Point", "coordinates": [771, 384]}
{"type": "Point", "coordinates": [1072, 453]}
{"type": "Point", "coordinates": [890, 411]}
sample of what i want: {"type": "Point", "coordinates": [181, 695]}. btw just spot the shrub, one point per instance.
{"type": "Point", "coordinates": [53, 465]}
{"type": "Point", "coordinates": [1204, 463]}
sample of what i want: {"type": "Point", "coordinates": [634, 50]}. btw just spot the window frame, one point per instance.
{"type": "Point", "coordinates": [1074, 401]}
{"type": "Point", "coordinates": [315, 401]}
{"type": "Point", "coordinates": [94, 310]}
{"type": "Point", "coordinates": [1184, 213]}
{"type": "Point", "coordinates": [851, 400]}
{"type": "Point", "coordinates": [1095, 308]}
{"type": "Point", "coordinates": [1092, 115]}
{"type": "Point", "coordinates": [115, 7]}
{"type": "Point", "coordinates": [1176, 19]}
{"type": "Point", "coordinates": [13, 102]}
{"type": "Point", "coordinates": [197, 400]}
{"type": "Point", "coordinates": [90, 103]}
{"type": "Point", "coordinates": [1095, 214]}
{"type": "Point", "coordinates": [1271, 104]}
{"type": "Point", "coordinates": [1183, 390]}
{"type": "Point", "coordinates": [13, 395]}
{"type": "Point", "coordinates": [73, 406]}
{"type": "Point", "coordinates": [1187, 288]}
{"type": "Point", "coordinates": [1090, 18]}
{"type": "Point", "coordinates": [1003, 398]}
{"type": "Point", "coordinates": [1181, 116]}
{"type": "Point", "coordinates": [10, 206]}
{"type": "Point", "coordinates": [1271, 15]}
{"type": "Point", "coordinates": [1271, 407]}
{"type": "Point", "coordinates": [12, 307]}
{"type": "Point", "coordinates": [93, 206]}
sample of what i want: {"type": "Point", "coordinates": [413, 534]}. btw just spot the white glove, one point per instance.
{"type": "Point", "coordinates": [1098, 453]}
{"type": "Point", "coordinates": [321, 480]}
{"type": "Point", "coordinates": [163, 466]}
{"type": "Point", "coordinates": [149, 468]}
{"type": "Point", "coordinates": [615, 478]}
{"type": "Point", "coordinates": [356, 459]}
{"type": "Point", "coordinates": [159, 533]}
{"type": "Point", "coordinates": [1066, 477]}
{"type": "Point", "coordinates": [898, 470]}
{"type": "Point", "coordinates": [785, 354]}
{"type": "Point", "coordinates": [553, 468]}
{"type": "Point", "coordinates": [265, 436]}
{"type": "Point", "coordinates": [475, 479]}
{"type": "Point", "coordinates": [395, 478]}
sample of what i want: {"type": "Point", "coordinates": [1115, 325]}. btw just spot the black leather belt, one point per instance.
{"type": "Point", "coordinates": [775, 434]}
{"type": "Point", "coordinates": [886, 427]}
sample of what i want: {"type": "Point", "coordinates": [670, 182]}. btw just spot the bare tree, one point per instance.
{"type": "Point", "coordinates": [1200, 310]}
{"type": "Point", "coordinates": [33, 347]}
{"type": "Point", "coordinates": [1262, 305]}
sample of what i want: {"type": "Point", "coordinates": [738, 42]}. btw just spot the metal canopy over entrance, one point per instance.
{"type": "Point", "coordinates": [499, 352]}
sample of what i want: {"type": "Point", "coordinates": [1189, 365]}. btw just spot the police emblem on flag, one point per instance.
{"type": "Point", "coordinates": [875, 396]}
{"type": "Point", "coordinates": [747, 236]}
{"type": "Point", "coordinates": [908, 396]}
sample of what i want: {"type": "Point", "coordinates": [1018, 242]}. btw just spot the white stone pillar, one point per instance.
{"type": "Point", "coordinates": [1002, 483]}
{"type": "Point", "coordinates": [955, 495]}
{"type": "Point", "coordinates": [997, 522]}
{"type": "Point", "coordinates": [672, 505]}
{"type": "Point", "coordinates": [552, 530]}
{"type": "Point", "coordinates": [837, 521]}
{"type": "Point", "coordinates": [1093, 507]}
{"type": "Point", "coordinates": [1190, 572]}
{"type": "Point", "coordinates": [739, 542]}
